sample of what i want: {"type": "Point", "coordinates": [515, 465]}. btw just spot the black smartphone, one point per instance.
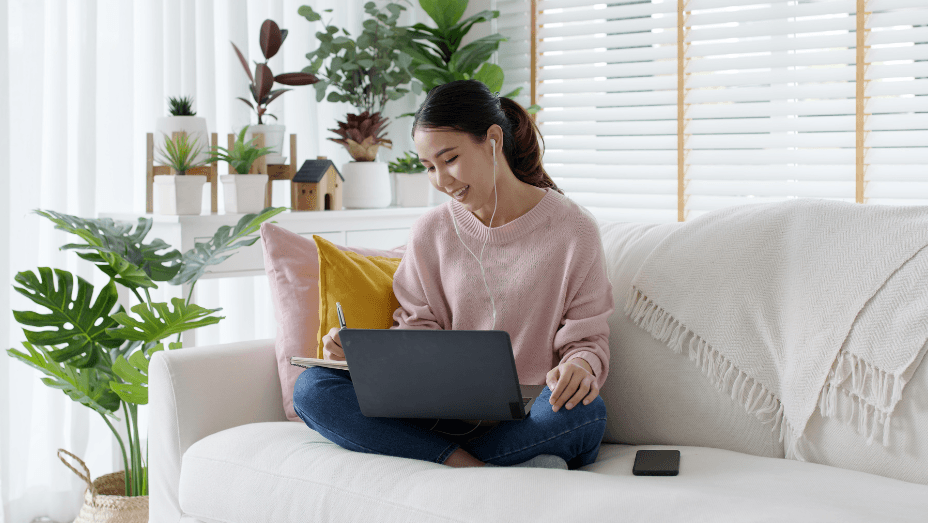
{"type": "Point", "coordinates": [657, 463]}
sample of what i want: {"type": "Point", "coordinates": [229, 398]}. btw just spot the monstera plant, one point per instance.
{"type": "Point", "coordinates": [98, 353]}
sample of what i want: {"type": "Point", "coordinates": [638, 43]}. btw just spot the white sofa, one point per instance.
{"type": "Point", "coordinates": [221, 448]}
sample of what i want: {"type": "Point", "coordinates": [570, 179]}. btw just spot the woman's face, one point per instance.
{"type": "Point", "coordinates": [453, 161]}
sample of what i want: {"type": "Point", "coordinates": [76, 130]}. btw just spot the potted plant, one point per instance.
{"type": "Point", "coordinates": [412, 181]}
{"type": "Point", "coordinates": [183, 119]}
{"type": "Point", "coordinates": [271, 38]}
{"type": "Point", "coordinates": [366, 73]}
{"type": "Point", "coordinates": [179, 193]}
{"type": "Point", "coordinates": [243, 191]}
{"type": "Point", "coordinates": [437, 57]}
{"type": "Point", "coordinates": [96, 352]}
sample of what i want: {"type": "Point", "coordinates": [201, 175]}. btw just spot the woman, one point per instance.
{"type": "Point", "coordinates": [543, 280]}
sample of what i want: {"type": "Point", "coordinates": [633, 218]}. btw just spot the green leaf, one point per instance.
{"type": "Point", "coordinates": [221, 245]}
{"type": "Point", "coordinates": [162, 322]}
{"type": "Point", "coordinates": [445, 13]}
{"type": "Point", "coordinates": [478, 52]}
{"type": "Point", "coordinates": [492, 76]}
{"type": "Point", "coordinates": [515, 92]}
{"type": "Point", "coordinates": [134, 372]}
{"type": "Point", "coordinates": [117, 252]}
{"type": "Point", "coordinates": [84, 341]}
{"type": "Point", "coordinates": [88, 386]}
{"type": "Point", "coordinates": [307, 12]}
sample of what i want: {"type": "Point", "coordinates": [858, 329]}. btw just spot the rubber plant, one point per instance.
{"type": "Point", "coordinates": [437, 55]}
{"type": "Point", "coordinates": [366, 73]}
{"type": "Point", "coordinates": [270, 38]}
{"type": "Point", "coordinates": [96, 352]}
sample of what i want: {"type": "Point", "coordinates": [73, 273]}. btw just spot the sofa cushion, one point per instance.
{"type": "Point", "coordinates": [362, 284]}
{"type": "Point", "coordinates": [652, 395]}
{"type": "Point", "coordinates": [292, 265]}
{"type": "Point", "coordinates": [281, 471]}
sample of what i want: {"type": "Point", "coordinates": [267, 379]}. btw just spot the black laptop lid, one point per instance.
{"type": "Point", "coordinates": [404, 373]}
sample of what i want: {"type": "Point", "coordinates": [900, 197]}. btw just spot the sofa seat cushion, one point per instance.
{"type": "Point", "coordinates": [283, 471]}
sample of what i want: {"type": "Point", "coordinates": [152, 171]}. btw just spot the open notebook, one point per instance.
{"type": "Point", "coordinates": [316, 362]}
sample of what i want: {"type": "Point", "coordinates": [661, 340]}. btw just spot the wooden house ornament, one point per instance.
{"type": "Point", "coordinates": [317, 186]}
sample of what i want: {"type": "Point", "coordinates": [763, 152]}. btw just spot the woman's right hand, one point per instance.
{"type": "Point", "coordinates": [332, 346]}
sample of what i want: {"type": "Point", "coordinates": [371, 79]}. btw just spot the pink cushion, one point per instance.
{"type": "Point", "coordinates": [292, 265]}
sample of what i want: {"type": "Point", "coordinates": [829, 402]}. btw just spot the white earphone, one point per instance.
{"type": "Point", "coordinates": [480, 260]}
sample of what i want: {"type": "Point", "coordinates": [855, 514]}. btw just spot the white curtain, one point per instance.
{"type": "Point", "coordinates": [82, 81]}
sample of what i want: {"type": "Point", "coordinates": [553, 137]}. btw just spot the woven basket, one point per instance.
{"type": "Point", "coordinates": [105, 500]}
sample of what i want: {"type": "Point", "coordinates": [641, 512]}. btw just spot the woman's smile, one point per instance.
{"type": "Point", "coordinates": [462, 193]}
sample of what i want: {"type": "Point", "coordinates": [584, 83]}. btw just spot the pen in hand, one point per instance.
{"type": "Point", "coordinates": [331, 344]}
{"type": "Point", "coordinates": [341, 315]}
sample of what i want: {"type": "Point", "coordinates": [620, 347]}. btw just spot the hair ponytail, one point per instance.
{"type": "Point", "coordinates": [469, 106]}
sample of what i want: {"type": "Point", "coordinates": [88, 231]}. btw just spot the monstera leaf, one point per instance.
{"type": "Point", "coordinates": [134, 372]}
{"type": "Point", "coordinates": [79, 325]}
{"type": "Point", "coordinates": [161, 323]}
{"type": "Point", "coordinates": [221, 245]}
{"type": "Point", "coordinates": [117, 252]}
{"type": "Point", "coordinates": [88, 386]}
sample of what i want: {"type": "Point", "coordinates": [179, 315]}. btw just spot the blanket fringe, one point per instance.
{"type": "Point", "coordinates": [727, 378]}
{"type": "Point", "coordinates": [858, 390]}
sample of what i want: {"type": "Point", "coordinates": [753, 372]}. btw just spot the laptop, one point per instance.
{"type": "Point", "coordinates": [436, 374]}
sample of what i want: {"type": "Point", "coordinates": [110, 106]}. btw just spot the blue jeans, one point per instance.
{"type": "Point", "coordinates": [325, 400]}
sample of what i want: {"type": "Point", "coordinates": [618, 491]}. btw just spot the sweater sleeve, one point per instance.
{"type": "Point", "coordinates": [584, 331]}
{"type": "Point", "coordinates": [409, 287]}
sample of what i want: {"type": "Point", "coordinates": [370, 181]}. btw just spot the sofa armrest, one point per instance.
{"type": "Point", "coordinates": [199, 391]}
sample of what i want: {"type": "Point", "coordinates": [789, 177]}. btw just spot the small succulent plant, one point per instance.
{"type": "Point", "coordinates": [180, 153]}
{"type": "Point", "coordinates": [362, 135]}
{"type": "Point", "coordinates": [182, 106]}
{"type": "Point", "coordinates": [242, 155]}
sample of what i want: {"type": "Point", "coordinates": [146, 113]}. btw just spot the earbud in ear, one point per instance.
{"type": "Point", "coordinates": [493, 142]}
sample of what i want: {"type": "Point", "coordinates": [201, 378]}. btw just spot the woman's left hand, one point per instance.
{"type": "Point", "coordinates": [571, 383]}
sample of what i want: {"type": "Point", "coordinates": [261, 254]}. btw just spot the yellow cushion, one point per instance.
{"type": "Point", "coordinates": [362, 284]}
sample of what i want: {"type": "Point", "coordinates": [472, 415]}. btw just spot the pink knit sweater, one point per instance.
{"type": "Point", "coordinates": [546, 271]}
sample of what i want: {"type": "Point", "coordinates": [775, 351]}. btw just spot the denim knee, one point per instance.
{"type": "Point", "coordinates": [308, 388]}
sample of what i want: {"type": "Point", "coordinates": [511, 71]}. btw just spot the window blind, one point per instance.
{"type": "Point", "coordinates": [514, 55]}
{"type": "Point", "coordinates": [767, 107]}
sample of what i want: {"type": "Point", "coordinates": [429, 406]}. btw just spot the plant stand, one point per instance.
{"type": "Point", "coordinates": [284, 171]}
{"type": "Point", "coordinates": [211, 172]}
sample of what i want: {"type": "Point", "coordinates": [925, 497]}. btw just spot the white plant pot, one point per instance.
{"type": "Point", "coordinates": [273, 138]}
{"type": "Point", "coordinates": [178, 194]}
{"type": "Point", "coordinates": [194, 126]}
{"type": "Point", "coordinates": [367, 185]}
{"type": "Point", "coordinates": [243, 193]}
{"type": "Point", "coordinates": [412, 189]}
{"type": "Point", "coordinates": [437, 197]}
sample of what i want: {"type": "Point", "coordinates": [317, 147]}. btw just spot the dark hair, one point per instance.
{"type": "Point", "coordinates": [469, 106]}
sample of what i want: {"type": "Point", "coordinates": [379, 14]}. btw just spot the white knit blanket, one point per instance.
{"type": "Point", "coordinates": [788, 306]}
